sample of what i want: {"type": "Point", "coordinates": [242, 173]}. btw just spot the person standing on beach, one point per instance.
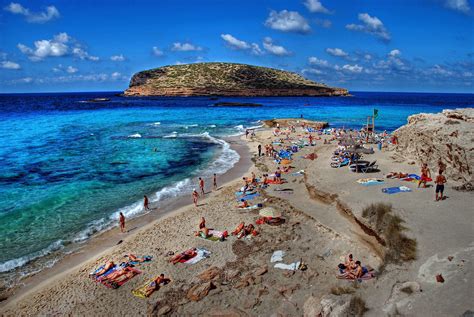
{"type": "Point", "coordinates": [195, 197]}
{"type": "Point", "coordinates": [201, 186]}
{"type": "Point", "coordinates": [259, 150]}
{"type": "Point", "coordinates": [425, 175]}
{"type": "Point", "coordinates": [122, 222]}
{"type": "Point", "coordinates": [440, 181]}
{"type": "Point", "coordinates": [247, 133]}
{"type": "Point", "coordinates": [215, 181]}
{"type": "Point", "coordinates": [145, 203]}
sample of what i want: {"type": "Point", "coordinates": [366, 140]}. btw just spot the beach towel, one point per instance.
{"type": "Point", "coordinates": [240, 193]}
{"type": "Point", "coordinates": [118, 281]}
{"type": "Point", "coordinates": [369, 181]}
{"type": "Point", "coordinates": [142, 290]}
{"type": "Point", "coordinates": [201, 254]}
{"type": "Point", "coordinates": [251, 207]}
{"type": "Point", "coordinates": [299, 173]}
{"type": "Point", "coordinates": [285, 162]}
{"type": "Point", "coordinates": [271, 181]}
{"type": "Point", "coordinates": [248, 196]}
{"type": "Point", "coordinates": [395, 190]}
{"type": "Point", "coordinates": [292, 267]}
{"type": "Point", "coordinates": [345, 276]}
{"type": "Point", "coordinates": [277, 256]}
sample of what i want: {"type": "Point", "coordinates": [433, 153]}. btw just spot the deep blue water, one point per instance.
{"type": "Point", "coordinates": [69, 166]}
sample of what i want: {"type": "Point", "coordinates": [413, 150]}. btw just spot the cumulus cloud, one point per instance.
{"type": "Point", "coordinates": [33, 17]}
{"type": "Point", "coordinates": [274, 49]}
{"type": "Point", "coordinates": [336, 52]}
{"type": "Point", "coordinates": [316, 6]}
{"type": "Point", "coordinates": [318, 62]}
{"type": "Point", "coordinates": [458, 5]}
{"type": "Point", "coordinates": [71, 70]}
{"type": "Point", "coordinates": [117, 58]}
{"type": "Point", "coordinates": [371, 25]}
{"type": "Point", "coordinates": [394, 53]}
{"type": "Point", "coordinates": [287, 21]}
{"type": "Point", "coordinates": [69, 78]}
{"type": "Point", "coordinates": [237, 44]}
{"type": "Point", "coordinates": [157, 52]}
{"type": "Point", "coordinates": [352, 68]}
{"type": "Point", "coordinates": [9, 65]}
{"type": "Point", "coordinates": [234, 42]}
{"type": "Point", "coordinates": [60, 45]}
{"type": "Point", "coordinates": [185, 47]}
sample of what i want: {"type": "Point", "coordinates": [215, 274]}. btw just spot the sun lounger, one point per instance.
{"type": "Point", "coordinates": [370, 168]}
{"type": "Point", "coordinates": [345, 162]}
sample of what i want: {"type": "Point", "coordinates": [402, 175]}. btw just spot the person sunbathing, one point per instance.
{"type": "Point", "coordinates": [286, 169]}
{"type": "Point", "coordinates": [238, 229]}
{"type": "Point", "coordinates": [203, 232]}
{"type": "Point", "coordinates": [108, 265]}
{"type": "Point", "coordinates": [202, 224]}
{"type": "Point", "coordinates": [183, 256]}
{"type": "Point", "coordinates": [134, 258]}
{"type": "Point", "coordinates": [243, 204]}
{"type": "Point", "coordinates": [248, 229]}
{"type": "Point", "coordinates": [358, 271]}
{"type": "Point", "coordinates": [116, 276]}
{"type": "Point", "coordinates": [155, 284]}
{"type": "Point", "coordinates": [397, 175]}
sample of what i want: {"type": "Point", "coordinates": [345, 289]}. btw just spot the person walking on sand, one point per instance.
{"type": "Point", "coordinates": [201, 186]}
{"type": "Point", "coordinates": [425, 175]}
{"type": "Point", "coordinates": [247, 133]}
{"type": "Point", "coordinates": [440, 181]}
{"type": "Point", "coordinates": [195, 197]}
{"type": "Point", "coordinates": [259, 147]}
{"type": "Point", "coordinates": [215, 181]}
{"type": "Point", "coordinates": [145, 203]}
{"type": "Point", "coordinates": [122, 222]}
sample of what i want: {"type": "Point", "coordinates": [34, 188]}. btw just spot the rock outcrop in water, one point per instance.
{"type": "Point", "coordinates": [447, 137]}
{"type": "Point", "coordinates": [225, 79]}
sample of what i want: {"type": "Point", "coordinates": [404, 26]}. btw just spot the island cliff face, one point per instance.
{"type": "Point", "coordinates": [445, 137]}
{"type": "Point", "coordinates": [225, 79]}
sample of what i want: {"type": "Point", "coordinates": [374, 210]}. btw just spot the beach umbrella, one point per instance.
{"type": "Point", "coordinates": [270, 212]}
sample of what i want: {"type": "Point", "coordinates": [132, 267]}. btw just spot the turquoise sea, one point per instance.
{"type": "Point", "coordinates": [69, 166]}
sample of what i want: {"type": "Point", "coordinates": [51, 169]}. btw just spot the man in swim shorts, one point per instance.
{"type": "Point", "coordinates": [145, 203]}
{"type": "Point", "coordinates": [425, 175]}
{"type": "Point", "coordinates": [440, 181]}
{"type": "Point", "coordinates": [201, 186]}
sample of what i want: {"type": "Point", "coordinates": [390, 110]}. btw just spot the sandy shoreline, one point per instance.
{"type": "Point", "coordinates": [104, 241]}
{"type": "Point", "coordinates": [324, 221]}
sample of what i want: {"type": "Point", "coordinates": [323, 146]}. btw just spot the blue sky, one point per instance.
{"type": "Point", "coordinates": [416, 45]}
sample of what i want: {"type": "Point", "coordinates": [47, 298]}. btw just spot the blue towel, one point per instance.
{"type": "Point", "coordinates": [394, 190]}
{"type": "Point", "coordinates": [248, 197]}
{"type": "Point", "coordinates": [414, 176]}
{"type": "Point", "coordinates": [371, 183]}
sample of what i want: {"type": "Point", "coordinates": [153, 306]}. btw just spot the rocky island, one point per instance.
{"type": "Point", "coordinates": [225, 79]}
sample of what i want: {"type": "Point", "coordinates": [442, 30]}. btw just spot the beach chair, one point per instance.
{"type": "Point", "coordinates": [345, 162]}
{"type": "Point", "coordinates": [370, 167]}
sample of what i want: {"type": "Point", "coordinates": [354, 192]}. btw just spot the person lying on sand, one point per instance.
{"type": "Point", "coordinates": [119, 275]}
{"type": "Point", "coordinates": [108, 265]}
{"type": "Point", "coordinates": [183, 256]}
{"type": "Point", "coordinates": [248, 229]}
{"type": "Point", "coordinates": [134, 258]}
{"type": "Point", "coordinates": [243, 204]}
{"type": "Point", "coordinates": [397, 175]}
{"type": "Point", "coordinates": [155, 284]}
{"type": "Point", "coordinates": [238, 229]}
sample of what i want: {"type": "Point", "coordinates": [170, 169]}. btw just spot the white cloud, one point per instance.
{"type": "Point", "coordinates": [9, 65]}
{"type": "Point", "coordinates": [318, 62]}
{"type": "Point", "coordinates": [458, 5]}
{"type": "Point", "coordinates": [336, 52]}
{"type": "Point", "coordinates": [24, 80]}
{"type": "Point", "coordinates": [56, 47]}
{"type": "Point", "coordinates": [157, 52]}
{"type": "Point", "coordinates": [256, 50]}
{"type": "Point", "coordinates": [274, 49]}
{"type": "Point", "coordinates": [185, 47]}
{"type": "Point", "coordinates": [312, 71]}
{"type": "Point", "coordinates": [394, 53]}
{"type": "Point", "coordinates": [439, 70]}
{"type": "Point", "coordinates": [287, 21]}
{"type": "Point", "coordinates": [371, 25]}
{"type": "Point", "coordinates": [315, 6]}
{"type": "Point", "coordinates": [71, 70]}
{"type": "Point", "coordinates": [83, 55]}
{"type": "Point", "coordinates": [117, 58]}
{"type": "Point", "coordinates": [368, 57]}
{"type": "Point", "coordinates": [116, 76]}
{"type": "Point", "coordinates": [234, 42]}
{"type": "Point", "coordinates": [33, 17]}
{"type": "Point", "coordinates": [237, 44]}
{"type": "Point", "coordinates": [352, 68]}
